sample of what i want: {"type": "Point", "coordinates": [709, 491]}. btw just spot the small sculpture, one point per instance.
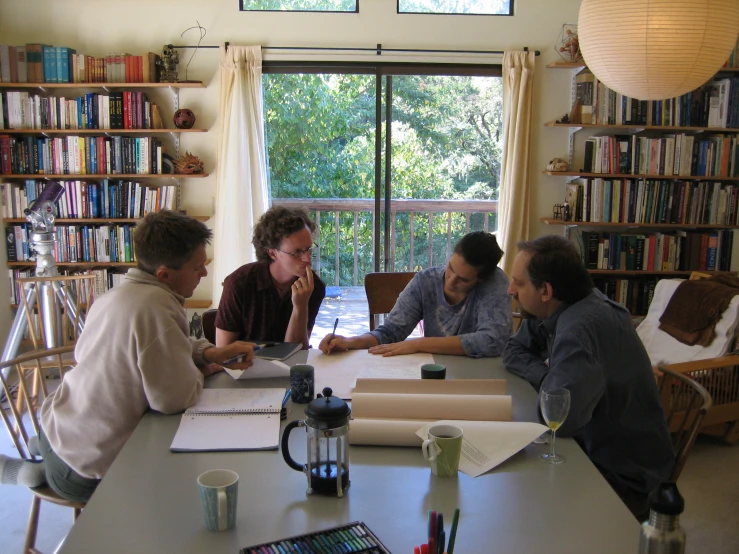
{"type": "Point", "coordinates": [568, 44]}
{"type": "Point", "coordinates": [184, 119]}
{"type": "Point", "coordinates": [558, 211]}
{"type": "Point", "coordinates": [156, 118]}
{"type": "Point", "coordinates": [168, 64]}
{"type": "Point", "coordinates": [565, 119]}
{"type": "Point", "coordinates": [188, 164]}
{"type": "Point", "coordinates": [196, 326]}
{"type": "Point", "coordinates": [558, 164]}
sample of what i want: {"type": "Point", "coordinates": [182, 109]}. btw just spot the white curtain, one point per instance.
{"type": "Point", "coordinates": [514, 197]}
{"type": "Point", "coordinates": [242, 187]}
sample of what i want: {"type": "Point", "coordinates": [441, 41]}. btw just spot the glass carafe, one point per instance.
{"type": "Point", "coordinates": [327, 425]}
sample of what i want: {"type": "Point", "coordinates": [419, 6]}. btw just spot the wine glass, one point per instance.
{"type": "Point", "coordinates": [555, 405]}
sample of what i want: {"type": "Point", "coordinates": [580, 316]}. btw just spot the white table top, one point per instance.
{"type": "Point", "coordinates": [148, 501]}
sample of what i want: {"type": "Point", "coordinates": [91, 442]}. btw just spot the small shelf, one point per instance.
{"type": "Point", "coordinates": [192, 303]}
{"type": "Point", "coordinates": [643, 272]}
{"type": "Point", "coordinates": [193, 84]}
{"type": "Point", "coordinates": [637, 176]}
{"type": "Point", "coordinates": [94, 221]}
{"type": "Point", "coordinates": [116, 176]}
{"type": "Point", "coordinates": [566, 65]}
{"type": "Point", "coordinates": [96, 131]}
{"type": "Point", "coordinates": [85, 264]}
{"type": "Point", "coordinates": [642, 127]}
{"type": "Point", "coordinates": [551, 221]}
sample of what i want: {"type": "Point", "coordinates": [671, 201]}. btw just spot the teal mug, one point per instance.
{"type": "Point", "coordinates": [219, 490]}
{"type": "Point", "coordinates": [433, 371]}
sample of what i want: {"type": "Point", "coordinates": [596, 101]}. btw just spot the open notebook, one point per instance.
{"type": "Point", "coordinates": [231, 419]}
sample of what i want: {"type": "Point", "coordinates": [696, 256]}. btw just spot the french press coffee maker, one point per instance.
{"type": "Point", "coordinates": [327, 424]}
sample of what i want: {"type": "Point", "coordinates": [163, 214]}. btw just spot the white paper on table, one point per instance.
{"type": "Point", "coordinates": [341, 369]}
{"type": "Point", "coordinates": [487, 444]}
{"type": "Point", "coordinates": [261, 369]}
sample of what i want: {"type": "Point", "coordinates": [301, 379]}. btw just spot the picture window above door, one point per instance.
{"type": "Point", "coordinates": [350, 6]}
{"type": "Point", "coordinates": [456, 7]}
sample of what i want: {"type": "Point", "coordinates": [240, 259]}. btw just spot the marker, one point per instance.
{"type": "Point", "coordinates": [453, 533]}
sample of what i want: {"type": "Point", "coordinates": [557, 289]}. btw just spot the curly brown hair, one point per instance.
{"type": "Point", "coordinates": [275, 224]}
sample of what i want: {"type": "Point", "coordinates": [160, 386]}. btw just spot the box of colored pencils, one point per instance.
{"type": "Point", "coordinates": [352, 537]}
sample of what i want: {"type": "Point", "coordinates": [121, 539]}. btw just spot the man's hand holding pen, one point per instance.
{"type": "Point", "coordinates": [238, 355]}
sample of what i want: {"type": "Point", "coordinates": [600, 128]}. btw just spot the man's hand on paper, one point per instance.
{"type": "Point", "coordinates": [397, 348]}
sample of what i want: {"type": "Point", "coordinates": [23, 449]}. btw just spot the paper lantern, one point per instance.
{"type": "Point", "coordinates": [657, 49]}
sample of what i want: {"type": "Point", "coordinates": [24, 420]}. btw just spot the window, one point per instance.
{"type": "Point", "coordinates": [457, 7]}
{"type": "Point", "coordinates": [400, 201]}
{"type": "Point", "coordinates": [300, 5]}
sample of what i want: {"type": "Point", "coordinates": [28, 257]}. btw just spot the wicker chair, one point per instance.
{"type": "Point", "coordinates": [22, 424]}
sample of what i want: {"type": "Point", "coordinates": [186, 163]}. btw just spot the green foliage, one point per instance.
{"type": "Point", "coordinates": [446, 145]}
{"type": "Point", "coordinates": [301, 5]}
{"type": "Point", "coordinates": [455, 6]}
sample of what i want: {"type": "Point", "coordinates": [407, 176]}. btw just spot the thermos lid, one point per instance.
{"type": "Point", "coordinates": [666, 499]}
{"type": "Point", "coordinates": [329, 412]}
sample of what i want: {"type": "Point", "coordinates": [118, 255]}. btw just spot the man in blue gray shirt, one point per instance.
{"type": "Point", "coordinates": [465, 308]}
{"type": "Point", "coordinates": [574, 337]}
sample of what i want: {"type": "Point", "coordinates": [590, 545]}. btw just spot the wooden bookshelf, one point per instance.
{"type": "Point", "coordinates": [552, 221]}
{"type": "Point", "coordinates": [566, 65]}
{"type": "Point", "coordinates": [639, 176]}
{"type": "Point", "coordinates": [97, 131]}
{"type": "Point", "coordinates": [94, 221]}
{"type": "Point", "coordinates": [193, 84]}
{"type": "Point", "coordinates": [82, 176]}
{"type": "Point", "coordinates": [641, 127]}
{"type": "Point", "coordinates": [190, 304]}
{"type": "Point", "coordinates": [645, 273]}
{"type": "Point", "coordinates": [84, 264]}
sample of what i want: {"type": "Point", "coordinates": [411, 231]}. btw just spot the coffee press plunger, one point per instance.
{"type": "Point", "coordinates": [327, 424]}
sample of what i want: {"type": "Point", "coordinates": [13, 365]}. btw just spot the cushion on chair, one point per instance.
{"type": "Point", "coordinates": [663, 348]}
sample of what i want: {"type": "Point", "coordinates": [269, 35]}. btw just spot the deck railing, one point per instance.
{"type": "Point", "coordinates": [408, 217]}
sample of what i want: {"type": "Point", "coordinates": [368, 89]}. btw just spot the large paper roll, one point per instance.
{"type": "Point", "coordinates": [431, 386]}
{"type": "Point", "coordinates": [386, 432]}
{"type": "Point", "coordinates": [432, 407]}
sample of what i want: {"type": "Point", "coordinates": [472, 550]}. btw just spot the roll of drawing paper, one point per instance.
{"type": "Point", "coordinates": [431, 386]}
{"type": "Point", "coordinates": [386, 432]}
{"type": "Point", "coordinates": [432, 406]}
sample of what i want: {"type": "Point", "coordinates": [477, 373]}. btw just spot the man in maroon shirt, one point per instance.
{"type": "Point", "coordinates": [276, 298]}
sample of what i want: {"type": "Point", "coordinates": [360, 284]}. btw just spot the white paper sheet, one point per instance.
{"type": "Point", "coordinates": [487, 444]}
{"type": "Point", "coordinates": [340, 370]}
{"type": "Point", "coordinates": [262, 369]}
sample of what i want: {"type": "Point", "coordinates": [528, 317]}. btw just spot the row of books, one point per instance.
{"type": "Point", "coordinates": [646, 201]}
{"type": "Point", "coordinates": [676, 251]}
{"type": "Point", "coordinates": [715, 104]}
{"type": "Point", "coordinates": [671, 154]}
{"type": "Point", "coordinates": [105, 279]}
{"type": "Point", "coordinates": [81, 200]}
{"type": "Point", "coordinates": [635, 294]}
{"type": "Point", "coordinates": [41, 63]}
{"type": "Point", "coordinates": [117, 110]}
{"type": "Point", "coordinates": [80, 155]}
{"type": "Point", "coordinates": [74, 243]}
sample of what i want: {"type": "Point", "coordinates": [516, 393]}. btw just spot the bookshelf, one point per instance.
{"type": "Point", "coordinates": [653, 187]}
{"type": "Point", "coordinates": [95, 223]}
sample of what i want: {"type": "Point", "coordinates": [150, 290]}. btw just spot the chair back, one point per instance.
{"type": "Point", "coordinates": [209, 325]}
{"type": "Point", "coordinates": [21, 390]}
{"type": "Point", "coordinates": [54, 315]}
{"type": "Point", "coordinates": [382, 291]}
{"type": "Point", "coordinates": [685, 402]}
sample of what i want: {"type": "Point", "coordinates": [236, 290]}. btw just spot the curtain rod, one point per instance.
{"type": "Point", "coordinates": [379, 49]}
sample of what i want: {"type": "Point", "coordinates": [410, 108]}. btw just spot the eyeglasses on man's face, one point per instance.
{"type": "Point", "coordinates": [300, 252]}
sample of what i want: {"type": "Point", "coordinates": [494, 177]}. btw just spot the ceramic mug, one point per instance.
{"type": "Point", "coordinates": [219, 490]}
{"type": "Point", "coordinates": [433, 371]}
{"type": "Point", "coordinates": [443, 449]}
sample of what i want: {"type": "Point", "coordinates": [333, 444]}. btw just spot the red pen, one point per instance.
{"type": "Point", "coordinates": [424, 549]}
{"type": "Point", "coordinates": [416, 550]}
{"type": "Point", "coordinates": [432, 545]}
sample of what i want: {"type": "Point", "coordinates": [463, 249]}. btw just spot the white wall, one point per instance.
{"type": "Point", "coordinates": [138, 26]}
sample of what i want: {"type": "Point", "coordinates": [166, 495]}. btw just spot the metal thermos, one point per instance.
{"type": "Point", "coordinates": [662, 534]}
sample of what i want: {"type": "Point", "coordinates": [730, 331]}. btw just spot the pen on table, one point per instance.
{"type": "Point", "coordinates": [439, 532]}
{"type": "Point", "coordinates": [240, 357]}
{"type": "Point", "coordinates": [333, 333]}
{"type": "Point", "coordinates": [287, 397]}
{"type": "Point", "coordinates": [453, 532]}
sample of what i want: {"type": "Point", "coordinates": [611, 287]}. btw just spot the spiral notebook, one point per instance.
{"type": "Point", "coordinates": [231, 419]}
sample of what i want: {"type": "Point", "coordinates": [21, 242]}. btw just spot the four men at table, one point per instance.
{"type": "Point", "coordinates": [464, 306]}
{"type": "Point", "coordinates": [575, 337]}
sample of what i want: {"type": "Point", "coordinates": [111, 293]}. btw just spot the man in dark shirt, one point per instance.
{"type": "Point", "coordinates": [574, 337]}
{"type": "Point", "coordinates": [276, 298]}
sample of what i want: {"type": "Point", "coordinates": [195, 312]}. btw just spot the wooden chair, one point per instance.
{"type": "Point", "coordinates": [382, 291]}
{"type": "Point", "coordinates": [22, 424]}
{"type": "Point", "coordinates": [686, 403]}
{"type": "Point", "coordinates": [209, 325]}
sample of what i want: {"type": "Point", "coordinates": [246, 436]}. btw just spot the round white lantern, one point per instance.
{"type": "Point", "coordinates": [657, 49]}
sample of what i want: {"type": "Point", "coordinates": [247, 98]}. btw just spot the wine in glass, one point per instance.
{"type": "Point", "coordinates": [555, 405]}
